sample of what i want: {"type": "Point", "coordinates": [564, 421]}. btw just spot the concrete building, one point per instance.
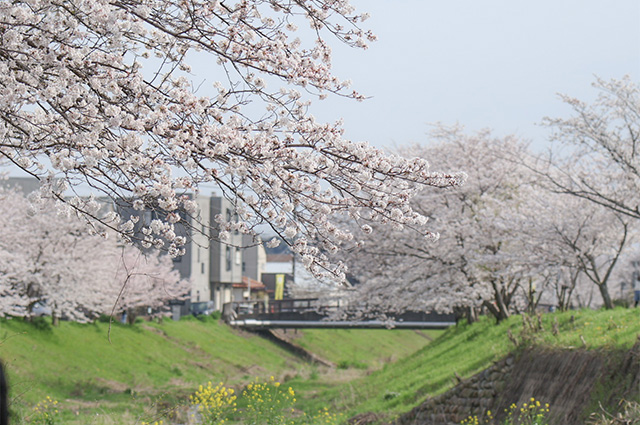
{"type": "Point", "coordinates": [225, 258]}
{"type": "Point", "coordinates": [218, 272]}
{"type": "Point", "coordinates": [212, 266]}
{"type": "Point", "coordinates": [221, 272]}
{"type": "Point", "coordinates": [199, 246]}
{"type": "Point", "coordinates": [254, 257]}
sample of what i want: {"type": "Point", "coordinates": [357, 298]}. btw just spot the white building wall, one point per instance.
{"type": "Point", "coordinates": [273, 267]}
{"type": "Point", "coordinates": [200, 248]}
{"type": "Point", "coordinates": [262, 262]}
{"type": "Point", "coordinates": [225, 260]}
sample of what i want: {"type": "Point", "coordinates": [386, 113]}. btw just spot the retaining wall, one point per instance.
{"type": "Point", "coordinates": [569, 380]}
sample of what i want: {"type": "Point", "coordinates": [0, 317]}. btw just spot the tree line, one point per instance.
{"type": "Point", "coordinates": [96, 95]}
{"type": "Point", "coordinates": [560, 226]}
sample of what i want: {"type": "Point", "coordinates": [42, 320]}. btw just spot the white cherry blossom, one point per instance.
{"type": "Point", "coordinates": [96, 93]}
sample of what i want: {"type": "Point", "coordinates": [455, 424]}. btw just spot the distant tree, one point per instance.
{"type": "Point", "coordinates": [597, 161]}
{"type": "Point", "coordinates": [601, 160]}
{"type": "Point", "coordinates": [479, 260]}
{"type": "Point", "coordinates": [146, 281]}
{"type": "Point", "coordinates": [47, 258]}
{"type": "Point", "coordinates": [97, 93]}
{"type": "Point", "coordinates": [582, 237]}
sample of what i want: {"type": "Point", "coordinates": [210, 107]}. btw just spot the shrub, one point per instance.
{"type": "Point", "coordinates": [260, 403]}
{"type": "Point", "coordinates": [41, 323]}
{"type": "Point", "coordinates": [351, 364]}
{"type": "Point", "coordinates": [214, 404]}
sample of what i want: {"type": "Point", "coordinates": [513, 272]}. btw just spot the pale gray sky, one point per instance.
{"type": "Point", "coordinates": [491, 63]}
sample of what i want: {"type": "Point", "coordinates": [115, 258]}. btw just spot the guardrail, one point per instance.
{"type": "Point", "coordinates": [309, 313]}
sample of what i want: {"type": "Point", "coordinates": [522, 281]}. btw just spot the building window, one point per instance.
{"type": "Point", "coordinates": [228, 258]}
{"type": "Point", "coordinates": [235, 219]}
{"type": "Point", "coordinates": [202, 268]}
{"type": "Point", "coordinates": [238, 257]}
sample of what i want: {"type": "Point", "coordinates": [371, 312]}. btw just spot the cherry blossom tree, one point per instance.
{"type": "Point", "coordinates": [99, 94]}
{"type": "Point", "coordinates": [600, 161]}
{"type": "Point", "coordinates": [595, 160]}
{"type": "Point", "coordinates": [46, 258]}
{"type": "Point", "coordinates": [581, 236]}
{"type": "Point", "coordinates": [507, 241]}
{"type": "Point", "coordinates": [14, 300]}
{"type": "Point", "coordinates": [146, 281]}
{"type": "Point", "coordinates": [479, 260]}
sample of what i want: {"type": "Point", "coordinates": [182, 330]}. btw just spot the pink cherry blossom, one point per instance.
{"type": "Point", "coordinates": [97, 93]}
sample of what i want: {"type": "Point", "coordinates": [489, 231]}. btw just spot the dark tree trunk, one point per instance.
{"type": "Point", "coordinates": [500, 310]}
{"type": "Point", "coordinates": [131, 317]}
{"type": "Point", "coordinates": [499, 314]}
{"type": "Point", "coordinates": [606, 298]}
{"type": "Point", "coordinates": [470, 314]}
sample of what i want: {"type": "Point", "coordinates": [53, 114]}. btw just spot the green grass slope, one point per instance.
{"type": "Point", "coordinates": [150, 366]}
{"type": "Point", "coordinates": [363, 348]}
{"type": "Point", "coordinates": [158, 364]}
{"type": "Point", "coordinates": [77, 363]}
{"type": "Point", "coordinates": [465, 350]}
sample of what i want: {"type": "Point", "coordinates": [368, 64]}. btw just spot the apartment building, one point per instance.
{"type": "Point", "coordinates": [219, 272]}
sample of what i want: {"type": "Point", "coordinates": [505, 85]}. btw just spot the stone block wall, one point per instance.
{"type": "Point", "coordinates": [473, 396]}
{"type": "Point", "coordinates": [570, 380]}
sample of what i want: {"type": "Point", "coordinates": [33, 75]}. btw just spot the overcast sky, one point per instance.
{"type": "Point", "coordinates": [496, 64]}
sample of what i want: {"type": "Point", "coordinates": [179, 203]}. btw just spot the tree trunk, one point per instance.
{"type": "Point", "coordinates": [501, 307]}
{"type": "Point", "coordinates": [532, 297]}
{"type": "Point", "coordinates": [470, 314]}
{"type": "Point", "coordinates": [606, 298]}
{"type": "Point", "coordinates": [495, 311]}
{"type": "Point", "coordinates": [55, 320]}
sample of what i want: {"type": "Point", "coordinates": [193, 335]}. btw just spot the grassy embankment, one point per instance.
{"type": "Point", "coordinates": [465, 350]}
{"type": "Point", "coordinates": [150, 367]}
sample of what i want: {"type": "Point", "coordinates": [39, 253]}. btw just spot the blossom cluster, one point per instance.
{"type": "Point", "coordinates": [46, 258]}
{"type": "Point", "coordinates": [98, 94]}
